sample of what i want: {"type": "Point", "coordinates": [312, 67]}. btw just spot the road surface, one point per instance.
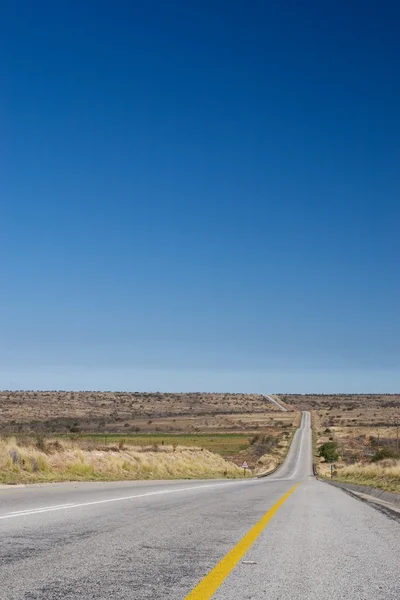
{"type": "Point", "coordinates": [271, 399]}
{"type": "Point", "coordinates": [160, 540]}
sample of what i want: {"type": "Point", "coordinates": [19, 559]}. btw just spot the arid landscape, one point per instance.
{"type": "Point", "coordinates": [356, 437]}
{"type": "Point", "coordinates": [45, 433]}
{"type": "Point", "coordinates": [362, 433]}
{"type": "Point", "coordinates": [123, 412]}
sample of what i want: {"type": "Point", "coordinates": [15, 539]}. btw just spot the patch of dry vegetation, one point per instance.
{"type": "Point", "coordinates": [52, 460]}
{"type": "Point", "coordinates": [342, 402]}
{"type": "Point", "coordinates": [275, 454]}
{"type": "Point", "coordinates": [107, 435]}
{"type": "Point", "coordinates": [124, 412]}
{"type": "Point", "coordinates": [363, 429]}
{"type": "Point", "coordinates": [384, 474]}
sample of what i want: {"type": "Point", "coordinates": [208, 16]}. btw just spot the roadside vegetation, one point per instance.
{"type": "Point", "coordinates": [62, 412]}
{"type": "Point", "coordinates": [356, 438]}
{"type": "Point", "coordinates": [35, 459]}
{"type": "Point", "coordinates": [329, 452]}
{"type": "Point", "coordinates": [225, 444]}
{"type": "Point", "coordinates": [384, 474]}
{"type": "Point", "coordinates": [60, 436]}
{"type": "Point", "coordinates": [46, 460]}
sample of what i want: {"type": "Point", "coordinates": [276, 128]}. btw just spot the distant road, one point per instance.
{"type": "Point", "coordinates": [270, 539]}
{"type": "Point", "coordinates": [271, 399]}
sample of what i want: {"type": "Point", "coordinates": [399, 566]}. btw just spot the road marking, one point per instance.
{"type": "Point", "coordinates": [45, 509]}
{"type": "Point", "coordinates": [211, 582]}
{"type": "Point", "coordinates": [40, 509]}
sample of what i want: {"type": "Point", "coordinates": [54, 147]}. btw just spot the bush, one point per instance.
{"type": "Point", "coordinates": [254, 439]}
{"type": "Point", "coordinates": [15, 456]}
{"type": "Point", "coordinates": [40, 443]}
{"type": "Point", "coordinates": [34, 465]}
{"type": "Point", "coordinates": [329, 451]}
{"type": "Point", "coordinates": [384, 453]}
{"type": "Point", "coordinates": [75, 429]}
{"type": "Point", "coordinates": [263, 445]}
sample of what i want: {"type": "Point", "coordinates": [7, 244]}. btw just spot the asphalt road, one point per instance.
{"type": "Point", "coordinates": [158, 540]}
{"type": "Point", "coordinates": [271, 399]}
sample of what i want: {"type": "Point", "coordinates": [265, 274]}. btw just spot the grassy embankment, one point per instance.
{"type": "Point", "coordinates": [263, 451]}
{"type": "Point", "coordinates": [277, 453]}
{"type": "Point", "coordinates": [46, 460]}
{"type": "Point", "coordinates": [371, 467]}
{"type": "Point", "coordinates": [384, 474]}
{"type": "Point", "coordinates": [91, 457]}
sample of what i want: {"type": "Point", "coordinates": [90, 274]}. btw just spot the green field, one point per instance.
{"type": "Point", "coordinates": [225, 444]}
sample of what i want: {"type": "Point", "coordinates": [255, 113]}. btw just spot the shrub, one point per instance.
{"type": "Point", "coordinates": [75, 429]}
{"type": "Point", "coordinates": [329, 451]}
{"type": "Point", "coordinates": [34, 464]}
{"type": "Point", "coordinates": [254, 439]}
{"type": "Point", "coordinates": [384, 453]}
{"type": "Point", "coordinates": [54, 446]}
{"type": "Point", "coordinates": [15, 456]}
{"type": "Point", "coordinates": [40, 443]}
{"type": "Point", "coordinates": [264, 445]}
{"type": "Point", "coordinates": [270, 441]}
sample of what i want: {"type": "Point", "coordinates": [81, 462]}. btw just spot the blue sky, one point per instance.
{"type": "Point", "coordinates": [200, 196]}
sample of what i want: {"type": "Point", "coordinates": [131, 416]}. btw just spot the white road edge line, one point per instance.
{"type": "Point", "coordinates": [31, 510]}
{"type": "Point", "coordinates": [45, 509]}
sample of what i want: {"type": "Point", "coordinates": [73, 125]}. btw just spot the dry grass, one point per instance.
{"type": "Point", "coordinates": [272, 459]}
{"type": "Point", "coordinates": [385, 474]}
{"type": "Point", "coordinates": [297, 420]}
{"type": "Point", "coordinates": [361, 426]}
{"type": "Point", "coordinates": [92, 457]}
{"type": "Point", "coordinates": [67, 461]}
{"type": "Point", "coordinates": [342, 402]}
{"type": "Point", "coordinates": [123, 412]}
{"type": "Point", "coordinates": [107, 435]}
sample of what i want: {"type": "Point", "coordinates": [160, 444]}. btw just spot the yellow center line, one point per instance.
{"type": "Point", "coordinates": [211, 582]}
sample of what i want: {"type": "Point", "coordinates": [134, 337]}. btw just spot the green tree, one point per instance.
{"type": "Point", "coordinates": [329, 451]}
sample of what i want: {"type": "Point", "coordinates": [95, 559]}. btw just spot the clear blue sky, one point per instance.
{"type": "Point", "coordinates": [200, 195]}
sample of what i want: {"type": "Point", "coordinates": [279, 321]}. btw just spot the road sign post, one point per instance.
{"type": "Point", "coordinates": [244, 467]}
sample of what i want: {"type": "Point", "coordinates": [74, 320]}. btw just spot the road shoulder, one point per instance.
{"type": "Point", "coordinates": [386, 502]}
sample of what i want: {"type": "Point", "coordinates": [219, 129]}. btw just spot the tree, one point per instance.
{"type": "Point", "coordinates": [329, 451]}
